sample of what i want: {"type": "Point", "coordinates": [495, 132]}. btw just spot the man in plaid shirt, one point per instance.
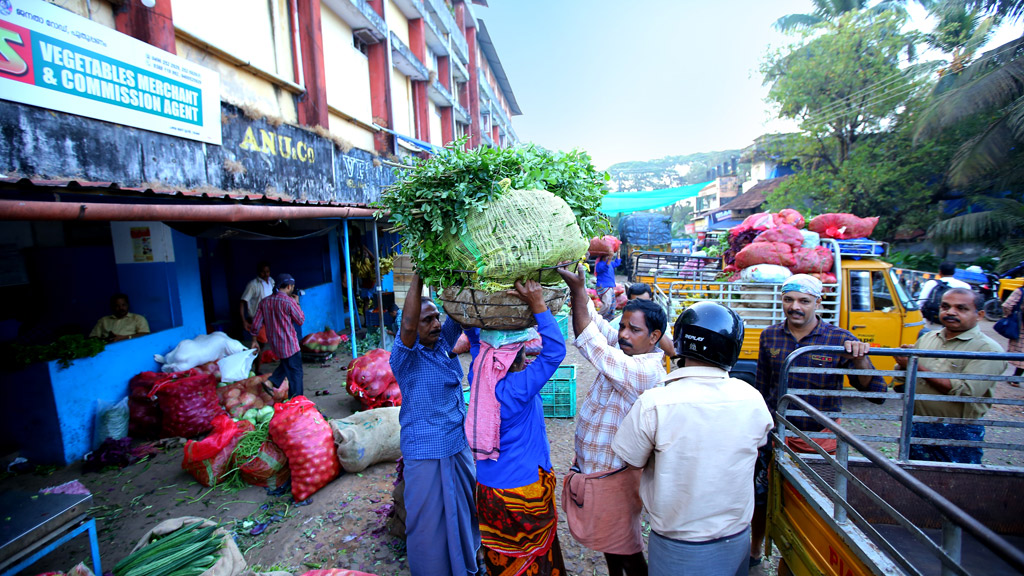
{"type": "Point", "coordinates": [280, 314]}
{"type": "Point", "coordinates": [801, 298]}
{"type": "Point", "coordinates": [628, 362]}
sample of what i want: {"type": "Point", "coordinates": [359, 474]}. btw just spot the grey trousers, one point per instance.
{"type": "Point", "coordinates": [727, 556]}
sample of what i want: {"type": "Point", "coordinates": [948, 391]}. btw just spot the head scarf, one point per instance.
{"type": "Point", "coordinates": [803, 283]}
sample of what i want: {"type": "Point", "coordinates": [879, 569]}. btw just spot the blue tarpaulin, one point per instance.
{"type": "Point", "coordinates": [620, 202]}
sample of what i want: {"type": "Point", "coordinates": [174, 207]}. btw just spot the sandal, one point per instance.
{"type": "Point", "coordinates": [269, 389]}
{"type": "Point", "coordinates": [755, 561]}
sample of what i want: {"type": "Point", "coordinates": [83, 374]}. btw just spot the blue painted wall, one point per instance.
{"type": "Point", "coordinates": [77, 389]}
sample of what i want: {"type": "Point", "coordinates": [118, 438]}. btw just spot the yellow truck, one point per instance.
{"type": "Point", "coordinates": [867, 298]}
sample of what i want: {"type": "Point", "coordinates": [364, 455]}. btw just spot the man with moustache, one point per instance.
{"type": "Point", "coordinates": [801, 298]}
{"type": "Point", "coordinates": [959, 314]}
{"type": "Point", "coordinates": [628, 362]}
{"type": "Point", "coordinates": [442, 533]}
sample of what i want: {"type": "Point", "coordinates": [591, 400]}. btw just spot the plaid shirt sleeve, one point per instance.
{"type": "Point", "coordinates": [603, 326]}
{"type": "Point", "coordinates": [765, 379]}
{"type": "Point", "coordinates": [298, 316]}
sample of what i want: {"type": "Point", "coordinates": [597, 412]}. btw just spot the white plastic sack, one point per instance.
{"type": "Point", "coordinates": [111, 421]}
{"type": "Point", "coordinates": [202, 349]}
{"type": "Point", "coordinates": [811, 239]}
{"type": "Point", "coordinates": [236, 366]}
{"type": "Point", "coordinates": [765, 273]}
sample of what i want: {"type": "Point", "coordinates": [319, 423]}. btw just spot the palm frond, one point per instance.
{"type": "Point", "coordinates": [982, 154]}
{"type": "Point", "coordinates": [997, 88]}
{"type": "Point", "coordinates": [889, 6]}
{"type": "Point", "coordinates": [1011, 254]}
{"type": "Point", "coordinates": [794, 22]}
{"type": "Point", "coordinates": [973, 227]}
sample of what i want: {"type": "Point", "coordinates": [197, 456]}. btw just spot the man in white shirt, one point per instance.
{"type": "Point", "coordinates": [696, 438]}
{"type": "Point", "coordinates": [946, 272]}
{"type": "Point", "coordinates": [255, 291]}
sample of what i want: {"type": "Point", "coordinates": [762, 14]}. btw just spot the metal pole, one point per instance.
{"type": "Point", "coordinates": [380, 289]}
{"type": "Point", "coordinates": [951, 544]}
{"type": "Point", "coordinates": [351, 299]}
{"type": "Point", "coordinates": [909, 392]}
{"type": "Point", "coordinates": [843, 457]}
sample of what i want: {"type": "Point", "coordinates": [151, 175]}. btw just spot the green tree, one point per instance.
{"type": "Point", "coordinates": [1000, 226]}
{"type": "Point", "coordinates": [830, 10]}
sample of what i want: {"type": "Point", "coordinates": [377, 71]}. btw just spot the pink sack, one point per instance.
{"type": "Point", "coordinates": [303, 434]}
{"type": "Point", "coordinates": [812, 260]}
{"type": "Point", "coordinates": [785, 233]}
{"type": "Point", "coordinates": [843, 226]}
{"type": "Point", "coordinates": [788, 216]}
{"type": "Point", "coordinates": [755, 253]}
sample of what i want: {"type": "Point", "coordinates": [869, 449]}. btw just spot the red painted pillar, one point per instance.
{"type": "Point", "coordinates": [420, 102]}
{"type": "Point", "coordinates": [475, 138]}
{"type": "Point", "coordinates": [444, 75]}
{"type": "Point", "coordinates": [494, 135]}
{"type": "Point", "coordinates": [312, 106]}
{"type": "Point", "coordinates": [380, 86]}
{"type": "Point", "coordinates": [151, 25]}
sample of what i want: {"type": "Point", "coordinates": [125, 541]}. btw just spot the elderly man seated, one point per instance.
{"type": "Point", "coordinates": [121, 324]}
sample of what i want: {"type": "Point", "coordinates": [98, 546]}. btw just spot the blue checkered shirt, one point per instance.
{"type": "Point", "coordinates": [433, 409]}
{"type": "Point", "coordinates": [777, 342]}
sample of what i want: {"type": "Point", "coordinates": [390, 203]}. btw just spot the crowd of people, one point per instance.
{"type": "Point", "coordinates": [689, 446]}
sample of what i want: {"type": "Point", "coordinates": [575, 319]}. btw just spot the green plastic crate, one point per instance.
{"type": "Point", "coordinates": [559, 394]}
{"type": "Point", "coordinates": [563, 324]}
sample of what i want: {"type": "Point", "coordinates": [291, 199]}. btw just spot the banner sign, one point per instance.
{"type": "Point", "coordinates": [55, 59]}
{"type": "Point", "coordinates": [720, 216]}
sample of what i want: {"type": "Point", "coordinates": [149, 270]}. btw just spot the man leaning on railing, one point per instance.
{"type": "Point", "coordinates": [959, 314]}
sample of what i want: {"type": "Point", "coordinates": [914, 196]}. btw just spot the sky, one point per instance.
{"type": "Point", "coordinates": [645, 79]}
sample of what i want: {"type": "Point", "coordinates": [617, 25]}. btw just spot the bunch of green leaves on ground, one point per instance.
{"type": "Point", "coordinates": [370, 341]}
{"type": "Point", "coordinates": [188, 551]}
{"type": "Point", "coordinates": [433, 198]}
{"type": "Point", "coordinates": [65, 350]}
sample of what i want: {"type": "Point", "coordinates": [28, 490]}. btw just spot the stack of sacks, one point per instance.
{"type": "Point", "coordinates": [780, 248]}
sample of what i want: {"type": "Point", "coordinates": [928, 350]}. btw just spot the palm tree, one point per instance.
{"type": "Point", "coordinates": [1002, 225]}
{"type": "Point", "coordinates": [960, 32]}
{"type": "Point", "coordinates": [829, 10]}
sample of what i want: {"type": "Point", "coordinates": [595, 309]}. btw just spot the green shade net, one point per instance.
{"type": "Point", "coordinates": [619, 202]}
{"type": "Point", "coordinates": [517, 235]}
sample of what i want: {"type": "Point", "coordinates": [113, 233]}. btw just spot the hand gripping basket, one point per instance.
{"type": "Point", "coordinates": [495, 310]}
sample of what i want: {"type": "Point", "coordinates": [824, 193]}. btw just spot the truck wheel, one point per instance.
{"type": "Point", "coordinates": [993, 309]}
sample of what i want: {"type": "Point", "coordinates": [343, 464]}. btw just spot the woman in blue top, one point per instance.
{"type": "Point", "coordinates": [515, 496]}
{"type": "Point", "coordinates": [605, 271]}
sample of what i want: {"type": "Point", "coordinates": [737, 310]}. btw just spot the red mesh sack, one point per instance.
{"type": "Point", "coordinates": [812, 260]}
{"type": "Point", "coordinates": [303, 434]}
{"type": "Point", "coordinates": [843, 226]}
{"type": "Point", "coordinates": [613, 242]}
{"type": "Point", "coordinates": [788, 216]}
{"type": "Point", "coordinates": [461, 345]}
{"type": "Point", "coordinates": [188, 404]}
{"type": "Point", "coordinates": [144, 416]}
{"type": "Point", "coordinates": [755, 253]}
{"type": "Point", "coordinates": [268, 356]}
{"type": "Point", "coordinates": [207, 460]}
{"type": "Point", "coordinates": [211, 368]}
{"type": "Point", "coordinates": [240, 396]}
{"type": "Point", "coordinates": [269, 467]}
{"type": "Point", "coordinates": [620, 301]}
{"type": "Point", "coordinates": [825, 277]}
{"type": "Point", "coordinates": [600, 247]}
{"type": "Point", "coordinates": [370, 380]}
{"type": "Point", "coordinates": [784, 233]}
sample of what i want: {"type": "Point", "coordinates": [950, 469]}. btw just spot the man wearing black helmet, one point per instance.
{"type": "Point", "coordinates": [696, 438]}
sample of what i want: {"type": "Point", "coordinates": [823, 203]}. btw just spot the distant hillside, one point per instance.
{"type": "Point", "coordinates": [670, 171]}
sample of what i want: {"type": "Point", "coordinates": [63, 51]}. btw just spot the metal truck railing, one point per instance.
{"type": "Point", "coordinates": [954, 520]}
{"type": "Point", "coordinates": [909, 397]}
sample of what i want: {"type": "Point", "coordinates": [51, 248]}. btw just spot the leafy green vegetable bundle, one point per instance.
{"type": "Point", "coordinates": [462, 226]}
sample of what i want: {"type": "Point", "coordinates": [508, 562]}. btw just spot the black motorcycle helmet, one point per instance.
{"type": "Point", "coordinates": [709, 332]}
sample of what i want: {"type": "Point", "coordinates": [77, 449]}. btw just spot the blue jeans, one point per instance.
{"type": "Point", "coordinates": [727, 556]}
{"type": "Point", "coordinates": [958, 454]}
{"type": "Point", "coordinates": [291, 368]}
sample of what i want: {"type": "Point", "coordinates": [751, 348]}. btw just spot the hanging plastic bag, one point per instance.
{"type": "Point", "coordinates": [237, 366]}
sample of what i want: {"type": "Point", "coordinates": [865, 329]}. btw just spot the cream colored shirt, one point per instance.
{"type": "Point", "coordinates": [970, 341]}
{"type": "Point", "coordinates": [255, 291]}
{"type": "Point", "coordinates": [696, 438]}
{"type": "Point", "coordinates": [130, 325]}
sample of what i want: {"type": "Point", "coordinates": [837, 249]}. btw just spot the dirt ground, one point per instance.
{"type": "Point", "coordinates": [343, 525]}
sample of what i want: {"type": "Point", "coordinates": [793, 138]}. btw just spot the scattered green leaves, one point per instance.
{"type": "Point", "coordinates": [65, 350]}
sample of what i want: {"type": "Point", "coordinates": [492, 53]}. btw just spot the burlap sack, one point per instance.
{"type": "Point", "coordinates": [366, 438]}
{"type": "Point", "coordinates": [495, 310]}
{"type": "Point", "coordinates": [230, 563]}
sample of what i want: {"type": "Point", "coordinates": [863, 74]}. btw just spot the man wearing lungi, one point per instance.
{"type": "Point", "coordinates": [442, 535]}
{"type": "Point", "coordinates": [696, 439]}
{"type": "Point", "coordinates": [628, 362]}
{"type": "Point", "coordinates": [515, 494]}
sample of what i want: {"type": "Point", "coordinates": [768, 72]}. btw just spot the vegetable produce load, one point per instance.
{"type": "Point", "coordinates": [371, 381]}
{"type": "Point", "coordinates": [326, 341]}
{"type": "Point", "coordinates": [184, 546]}
{"type": "Point", "coordinates": [144, 416]}
{"type": "Point", "coordinates": [604, 246]}
{"type": "Point", "coordinates": [239, 397]}
{"type": "Point", "coordinates": [367, 438]}
{"type": "Point", "coordinates": [188, 404]}
{"type": "Point", "coordinates": [483, 218]}
{"type": "Point", "coordinates": [496, 310]}
{"type": "Point", "coordinates": [209, 460]}
{"type": "Point", "coordinates": [843, 226]}
{"type": "Point", "coordinates": [303, 434]}
{"type": "Point", "coordinates": [267, 466]}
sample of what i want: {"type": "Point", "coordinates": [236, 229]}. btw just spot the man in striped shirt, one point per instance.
{"type": "Point", "coordinates": [280, 314]}
{"type": "Point", "coordinates": [628, 362]}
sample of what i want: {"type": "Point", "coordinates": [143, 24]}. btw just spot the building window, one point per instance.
{"type": "Point", "coordinates": [259, 32]}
